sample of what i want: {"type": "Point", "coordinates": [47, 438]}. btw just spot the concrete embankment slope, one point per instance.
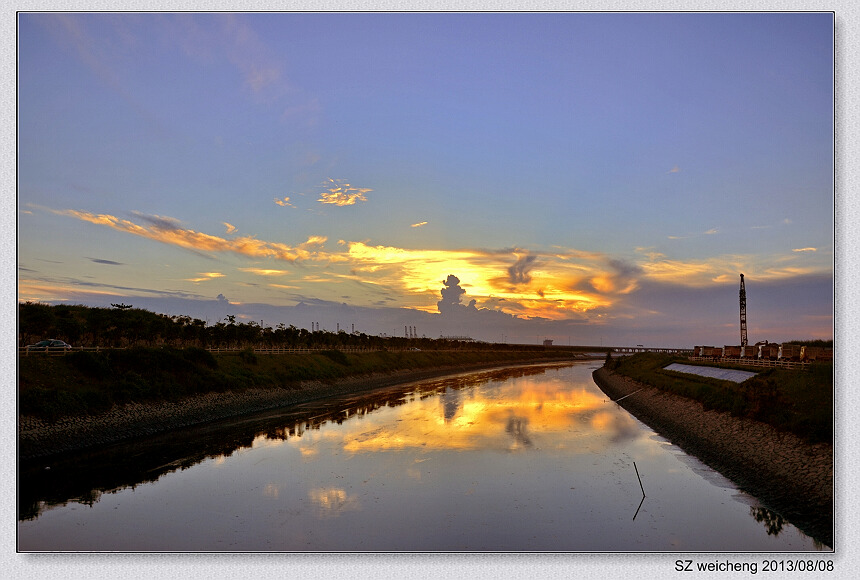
{"type": "Point", "coordinates": [788, 475]}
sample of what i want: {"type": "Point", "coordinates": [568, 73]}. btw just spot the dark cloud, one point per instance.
{"type": "Point", "coordinates": [519, 272]}
{"type": "Point", "coordinates": [108, 262]}
{"type": "Point", "coordinates": [451, 294]}
{"type": "Point", "coordinates": [162, 223]}
{"type": "Point", "coordinates": [166, 293]}
{"type": "Point", "coordinates": [625, 268]}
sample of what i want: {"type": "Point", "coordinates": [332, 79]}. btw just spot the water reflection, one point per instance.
{"type": "Point", "coordinates": [773, 522]}
{"type": "Point", "coordinates": [84, 477]}
{"type": "Point", "coordinates": [446, 464]}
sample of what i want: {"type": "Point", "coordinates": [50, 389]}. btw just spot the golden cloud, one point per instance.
{"type": "Point", "coordinates": [727, 268]}
{"type": "Point", "coordinates": [203, 276]}
{"type": "Point", "coordinates": [168, 231]}
{"type": "Point", "coordinates": [341, 193]}
{"type": "Point", "coordinates": [264, 271]}
{"type": "Point", "coordinates": [555, 285]}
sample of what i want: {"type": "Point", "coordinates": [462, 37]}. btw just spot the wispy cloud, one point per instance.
{"type": "Point", "coordinates": [556, 284]}
{"type": "Point", "coordinates": [805, 250]}
{"type": "Point", "coordinates": [230, 228]}
{"type": "Point", "coordinates": [418, 225]}
{"type": "Point", "coordinates": [64, 288]}
{"type": "Point", "coordinates": [674, 169]}
{"type": "Point", "coordinates": [264, 272]}
{"type": "Point", "coordinates": [96, 52]}
{"type": "Point", "coordinates": [284, 202]}
{"type": "Point", "coordinates": [710, 232]}
{"type": "Point", "coordinates": [168, 230]}
{"type": "Point", "coordinates": [203, 276]}
{"type": "Point", "coordinates": [339, 192]}
{"type": "Point", "coordinates": [106, 262]}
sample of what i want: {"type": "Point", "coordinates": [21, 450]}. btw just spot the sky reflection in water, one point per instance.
{"type": "Point", "coordinates": [531, 462]}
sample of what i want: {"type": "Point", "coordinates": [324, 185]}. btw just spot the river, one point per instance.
{"type": "Point", "coordinates": [521, 459]}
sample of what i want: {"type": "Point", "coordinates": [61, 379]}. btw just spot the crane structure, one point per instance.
{"type": "Point", "coordinates": [743, 297]}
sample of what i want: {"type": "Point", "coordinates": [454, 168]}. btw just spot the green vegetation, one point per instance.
{"type": "Point", "coordinates": [87, 382]}
{"type": "Point", "coordinates": [814, 342]}
{"type": "Point", "coordinates": [797, 401]}
{"type": "Point", "coordinates": [124, 326]}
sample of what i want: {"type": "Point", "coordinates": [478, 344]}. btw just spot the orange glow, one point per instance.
{"type": "Point", "coordinates": [264, 271]}
{"type": "Point", "coordinates": [502, 420]}
{"type": "Point", "coordinates": [554, 285]}
{"type": "Point", "coordinates": [168, 231]}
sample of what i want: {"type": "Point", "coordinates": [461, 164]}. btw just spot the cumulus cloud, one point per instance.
{"type": "Point", "coordinates": [285, 202]}
{"type": "Point", "coordinates": [339, 192]}
{"type": "Point", "coordinates": [451, 294]}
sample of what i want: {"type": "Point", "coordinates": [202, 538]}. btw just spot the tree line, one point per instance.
{"type": "Point", "coordinates": [123, 325]}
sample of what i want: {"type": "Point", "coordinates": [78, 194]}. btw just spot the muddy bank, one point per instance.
{"type": "Point", "coordinates": [788, 475]}
{"type": "Point", "coordinates": [38, 438]}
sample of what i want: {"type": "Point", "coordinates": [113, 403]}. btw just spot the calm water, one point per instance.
{"type": "Point", "coordinates": [530, 459]}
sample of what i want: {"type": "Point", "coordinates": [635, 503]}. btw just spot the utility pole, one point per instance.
{"type": "Point", "coordinates": [743, 297]}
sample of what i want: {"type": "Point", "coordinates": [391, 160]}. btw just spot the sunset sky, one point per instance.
{"type": "Point", "coordinates": [585, 177]}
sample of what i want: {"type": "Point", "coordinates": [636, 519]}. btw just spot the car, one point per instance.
{"type": "Point", "coordinates": [49, 345]}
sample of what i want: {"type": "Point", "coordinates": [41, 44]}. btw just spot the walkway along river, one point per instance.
{"type": "Point", "coordinates": [520, 459]}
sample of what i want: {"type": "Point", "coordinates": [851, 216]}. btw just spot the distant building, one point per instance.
{"type": "Point", "coordinates": [547, 342]}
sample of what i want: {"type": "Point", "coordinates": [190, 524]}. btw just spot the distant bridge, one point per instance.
{"type": "Point", "coordinates": [640, 348]}
{"type": "Point", "coordinates": [627, 349]}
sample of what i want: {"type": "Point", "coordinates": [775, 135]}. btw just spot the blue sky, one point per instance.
{"type": "Point", "coordinates": [587, 177]}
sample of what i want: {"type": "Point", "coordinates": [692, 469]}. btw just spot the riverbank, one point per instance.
{"type": "Point", "coordinates": [39, 438]}
{"type": "Point", "coordinates": [789, 476]}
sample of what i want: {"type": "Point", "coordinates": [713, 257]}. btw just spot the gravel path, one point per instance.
{"type": "Point", "coordinates": [786, 474]}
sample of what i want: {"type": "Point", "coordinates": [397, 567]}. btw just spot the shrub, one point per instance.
{"type": "Point", "coordinates": [337, 356]}
{"type": "Point", "coordinates": [201, 356]}
{"type": "Point", "coordinates": [248, 356]}
{"type": "Point", "coordinates": [90, 364]}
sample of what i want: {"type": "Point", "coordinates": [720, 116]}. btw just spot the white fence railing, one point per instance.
{"type": "Point", "coordinates": [58, 351]}
{"type": "Point", "coordinates": [754, 362]}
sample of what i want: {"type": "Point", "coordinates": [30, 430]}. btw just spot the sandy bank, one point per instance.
{"type": "Point", "coordinates": [788, 475]}
{"type": "Point", "coordinates": [38, 438]}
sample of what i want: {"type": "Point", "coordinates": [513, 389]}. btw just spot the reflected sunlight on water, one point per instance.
{"type": "Point", "coordinates": [509, 460]}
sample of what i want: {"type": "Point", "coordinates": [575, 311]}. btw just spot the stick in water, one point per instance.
{"type": "Point", "coordinates": [639, 478]}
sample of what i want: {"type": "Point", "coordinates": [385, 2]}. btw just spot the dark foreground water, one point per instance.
{"type": "Point", "coordinates": [528, 459]}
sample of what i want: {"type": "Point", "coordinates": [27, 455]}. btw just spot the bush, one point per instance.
{"type": "Point", "coordinates": [337, 356]}
{"type": "Point", "coordinates": [50, 404]}
{"type": "Point", "coordinates": [248, 356]}
{"type": "Point", "coordinates": [201, 356]}
{"type": "Point", "coordinates": [90, 364]}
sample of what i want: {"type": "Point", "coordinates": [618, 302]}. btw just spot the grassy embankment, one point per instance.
{"type": "Point", "coordinates": [800, 402]}
{"type": "Point", "coordinates": [86, 382]}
